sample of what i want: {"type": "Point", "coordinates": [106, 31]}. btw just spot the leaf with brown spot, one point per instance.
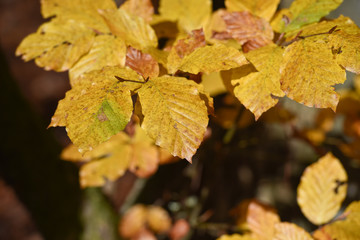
{"type": "Point", "coordinates": [309, 72]}
{"type": "Point", "coordinates": [142, 63]}
{"type": "Point", "coordinates": [98, 106]}
{"type": "Point", "coordinates": [141, 8]}
{"type": "Point", "coordinates": [322, 189]}
{"type": "Point", "coordinates": [247, 28]}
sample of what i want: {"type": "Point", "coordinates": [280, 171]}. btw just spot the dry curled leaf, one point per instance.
{"type": "Point", "coordinates": [248, 29]}
{"type": "Point", "coordinates": [322, 189]}
{"type": "Point", "coordinates": [142, 63]}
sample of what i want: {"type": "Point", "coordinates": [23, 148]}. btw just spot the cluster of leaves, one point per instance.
{"type": "Point", "coordinates": [320, 194]}
{"type": "Point", "coordinates": [129, 94]}
{"type": "Point", "coordinates": [113, 58]}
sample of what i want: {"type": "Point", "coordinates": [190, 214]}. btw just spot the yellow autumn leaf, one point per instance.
{"type": "Point", "coordinates": [57, 45]}
{"type": "Point", "coordinates": [322, 189]}
{"type": "Point", "coordinates": [261, 220]}
{"type": "Point", "coordinates": [290, 231]}
{"type": "Point", "coordinates": [309, 11]}
{"type": "Point", "coordinates": [71, 153]}
{"type": "Point", "coordinates": [257, 91]}
{"type": "Point", "coordinates": [111, 160]}
{"type": "Point", "coordinates": [158, 219]}
{"type": "Point", "coordinates": [342, 23]}
{"type": "Point", "coordinates": [345, 228]}
{"type": "Point", "coordinates": [209, 59]}
{"type": "Point", "coordinates": [174, 114]}
{"type": "Point", "coordinates": [97, 107]}
{"type": "Point", "coordinates": [80, 11]}
{"type": "Point", "coordinates": [309, 72]}
{"type": "Point", "coordinates": [261, 8]}
{"type": "Point", "coordinates": [132, 29]}
{"type": "Point", "coordinates": [236, 237]}
{"type": "Point", "coordinates": [190, 14]}
{"type": "Point", "coordinates": [107, 50]}
{"type": "Point", "coordinates": [141, 8]}
{"type": "Point", "coordinates": [347, 50]}
{"type": "Point", "coordinates": [278, 21]}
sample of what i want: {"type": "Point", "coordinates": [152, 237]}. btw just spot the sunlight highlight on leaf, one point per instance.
{"type": "Point", "coordinates": [322, 189]}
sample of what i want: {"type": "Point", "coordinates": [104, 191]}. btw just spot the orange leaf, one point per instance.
{"type": "Point", "coordinates": [142, 63]}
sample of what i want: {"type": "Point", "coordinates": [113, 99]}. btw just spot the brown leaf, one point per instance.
{"type": "Point", "coordinates": [133, 221]}
{"type": "Point", "coordinates": [142, 63]}
{"type": "Point", "coordinates": [194, 40]}
{"type": "Point", "coordinates": [246, 28]}
{"type": "Point", "coordinates": [179, 230]}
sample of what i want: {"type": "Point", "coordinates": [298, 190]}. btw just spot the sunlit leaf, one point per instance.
{"type": "Point", "coordinates": [309, 11]}
{"type": "Point", "coordinates": [142, 63]}
{"type": "Point", "coordinates": [345, 228]}
{"type": "Point", "coordinates": [81, 11]}
{"type": "Point", "coordinates": [258, 90]}
{"type": "Point", "coordinates": [309, 73]}
{"type": "Point", "coordinates": [57, 45]}
{"type": "Point", "coordinates": [261, 8]}
{"type": "Point", "coordinates": [248, 29]}
{"type": "Point", "coordinates": [190, 14]}
{"type": "Point", "coordinates": [174, 114]}
{"type": "Point", "coordinates": [97, 107]}
{"type": "Point", "coordinates": [290, 231]}
{"type": "Point", "coordinates": [141, 8]}
{"type": "Point", "coordinates": [106, 50]}
{"type": "Point", "coordinates": [132, 29]}
{"type": "Point", "coordinates": [347, 50]}
{"type": "Point", "coordinates": [322, 189]}
{"type": "Point", "coordinates": [209, 59]}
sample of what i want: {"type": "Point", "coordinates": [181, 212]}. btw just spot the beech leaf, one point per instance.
{"type": "Point", "coordinates": [209, 59]}
{"type": "Point", "coordinates": [236, 237]}
{"type": "Point", "coordinates": [107, 50]}
{"type": "Point", "coordinates": [57, 45]}
{"type": "Point", "coordinates": [290, 231]}
{"type": "Point", "coordinates": [248, 29]}
{"type": "Point", "coordinates": [322, 189]}
{"type": "Point", "coordinates": [142, 63]}
{"type": "Point", "coordinates": [257, 90]}
{"type": "Point", "coordinates": [261, 8]}
{"type": "Point", "coordinates": [308, 73]}
{"type": "Point", "coordinates": [309, 11]}
{"type": "Point", "coordinates": [174, 114]}
{"type": "Point", "coordinates": [345, 228]}
{"type": "Point", "coordinates": [132, 29]}
{"type": "Point", "coordinates": [190, 14]}
{"type": "Point", "coordinates": [97, 107]}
